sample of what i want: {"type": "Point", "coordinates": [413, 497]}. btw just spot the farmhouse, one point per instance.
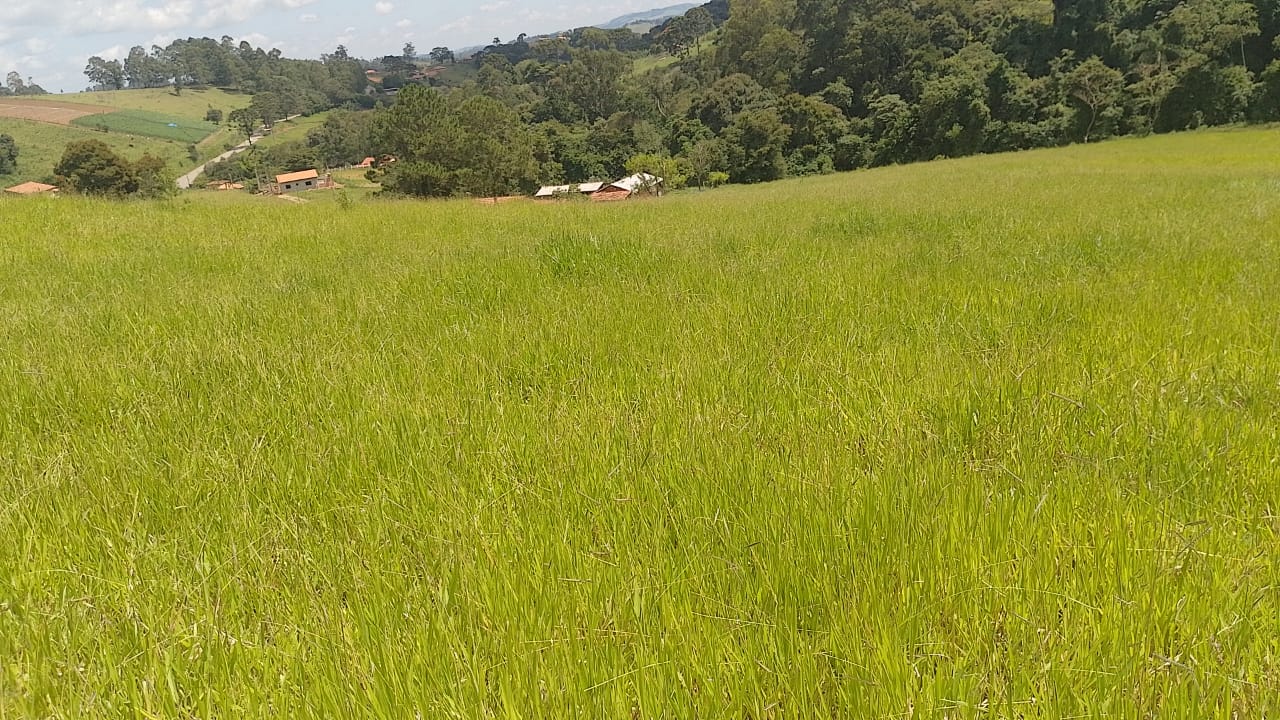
{"type": "Point", "coordinates": [628, 187]}
{"type": "Point", "coordinates": [366, 163]}
{"type": "Point", "coordinates": [301, 181]}
{"type": "Point", "coordinates": [31, 188]}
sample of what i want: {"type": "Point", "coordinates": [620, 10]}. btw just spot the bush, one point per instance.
{"type": "Point", "coordinates": [92, 168]}
{"type": "Point", "coordinates": [8, 154]}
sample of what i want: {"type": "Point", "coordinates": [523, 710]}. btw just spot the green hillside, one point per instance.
{"type": "Point", "coordinates": [294, 130]}
{"type": "Point", "coordinates": [992, 437]}
{"type": "Point", "coordinates": [188, 105]}
{"type": "Point", "coordinates": [140, 125]}
{"type": "Point", "coordinates": [40, 146]}
{"type": "Point", "coordinates": [149, 124]}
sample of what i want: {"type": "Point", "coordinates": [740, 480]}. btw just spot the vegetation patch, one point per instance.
{"type": "Point", "coordinates": [149, 124]}
{"type": "Point", "coordinates": [990, 437]}
{"type": "Point", "coordinates": [40, 146]}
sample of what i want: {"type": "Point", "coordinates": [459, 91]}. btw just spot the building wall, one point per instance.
{"type": "Point", "coordinates": [300, 185]}
{"type": "Point", "coordinates": [609, 194]}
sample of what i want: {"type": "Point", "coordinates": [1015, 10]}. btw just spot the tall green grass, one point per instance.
{"type": "Point", "coordinates": [985, 438]}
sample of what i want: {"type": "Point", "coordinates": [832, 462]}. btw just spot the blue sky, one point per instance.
{"type": "Point", "coordinates": [49, 40]}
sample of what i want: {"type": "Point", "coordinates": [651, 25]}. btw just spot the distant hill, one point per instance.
{"type": "Point", "coordinates": [654, 16]}
{"type": "Point", "coordinates": [132, 122]}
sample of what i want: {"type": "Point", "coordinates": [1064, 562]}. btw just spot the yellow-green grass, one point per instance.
{"type": "Point", "coordinates": [189, 104]}
{"type": "Point", "coordinates": [294, 130]}
{"type": "Point", "coordinates": [146, 123]}
{"type": "Point", "coordinates": [647, 63]}
{"type": "Point", "coordinates": [40, 146]}
{"type": "Point", "coordinates": [994, 437]}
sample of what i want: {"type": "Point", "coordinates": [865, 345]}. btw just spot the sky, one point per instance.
{"type": "Point", "coordinates": [50, 40]}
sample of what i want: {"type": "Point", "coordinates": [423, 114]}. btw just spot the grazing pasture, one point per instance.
{"type": "Point", "coordinates": [996, 437]}
{"type": "Point", "coordinates": [40, 146]}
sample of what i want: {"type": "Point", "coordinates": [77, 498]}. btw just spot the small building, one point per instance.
{"type": "Point", "coordinates": [31, 188]}
{"type": "Point", "coordinates": [629, 187]}
{"type": "Point", "coordinates": [550, 192]}
{"type": "Point", "coordinates": [300, 181]}
{"type": "Point", "coordinates": [366, 163]}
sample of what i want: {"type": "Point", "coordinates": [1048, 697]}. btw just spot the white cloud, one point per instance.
{"type": "Point", "coordinates": [115, 52]}
{"type": "Point", "coordinates": [309, 18]}
{"type": "Point", "coordinates": [382, 7]}
{"type": "Point", "coordinates": [405, 23]}
{"type": "Point", "coordinates": [462, 24]}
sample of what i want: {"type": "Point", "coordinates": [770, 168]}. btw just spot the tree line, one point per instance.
{"type": "Point", "coordinates": [296, 86]}
{"type": "Point", "coordinates": [777, 88]}
{"type": "Point", "coordinates": [15, 85]}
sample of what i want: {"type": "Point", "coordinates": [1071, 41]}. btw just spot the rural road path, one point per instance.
{"type": "Point", "coordinates": [184, 182]}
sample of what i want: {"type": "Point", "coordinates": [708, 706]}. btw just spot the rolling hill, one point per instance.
{"type": "Point", "coordinates": [152, 121]}
{"type": "Point", "coordinates": [653, 16]}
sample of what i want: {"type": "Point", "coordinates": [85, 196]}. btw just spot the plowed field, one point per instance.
{"type": "Point", "coordinates": [61, 113]}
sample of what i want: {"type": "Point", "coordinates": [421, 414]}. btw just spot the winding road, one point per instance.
{"type": "Point", "coordinates": [184, 182]}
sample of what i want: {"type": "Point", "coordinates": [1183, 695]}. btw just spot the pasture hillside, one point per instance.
{"type": "Point", "coordinates": [137, 121]}
{"type": "Point", "coordinates": [993, 437]}
{"type": "Point", "coordinates": [146, 123]}
{"type": "Point", "coordinates": [40, 146]}
{"type": "Point", "coordinates": [190, 104]}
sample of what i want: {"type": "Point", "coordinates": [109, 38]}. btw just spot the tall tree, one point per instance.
{"type": "Point", "coordinates": [105, 74]}
{"type": "Point", "coordinates": [1097, 89]}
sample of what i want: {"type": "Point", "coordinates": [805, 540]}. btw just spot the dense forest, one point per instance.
{"type": "Point", "coordinates": [757, 90]}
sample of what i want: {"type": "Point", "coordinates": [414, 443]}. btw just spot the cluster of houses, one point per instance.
{"type": "Point", "coordinates": [640, 184]}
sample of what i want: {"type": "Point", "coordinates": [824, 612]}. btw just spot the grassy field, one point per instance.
{"type": "Point", "coordinates": [149, 124]}
{"type": "Point", "coordinates": [294, 130]}
{"type": "Point", "coordinates": [40, 146]}
{"type": "Point", "coordinates": [646, 63]}
{"type": "Point", "coordinates": [189, 105]}
{"type": "Point", "coordinates": [984, 438]}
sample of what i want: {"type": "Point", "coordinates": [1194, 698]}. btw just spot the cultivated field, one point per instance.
{"type": "Point", "coordinates": [982, 438]}
{"type": "Point", "coordinates": [150, 124]}
{"type": "Point", "coordinates": [61, 113]}
{"type": "Point", "coordinates": [40, 146]}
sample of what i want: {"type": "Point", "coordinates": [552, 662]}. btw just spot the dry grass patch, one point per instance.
{"type": "Point", "coordinates": [59, 113]}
